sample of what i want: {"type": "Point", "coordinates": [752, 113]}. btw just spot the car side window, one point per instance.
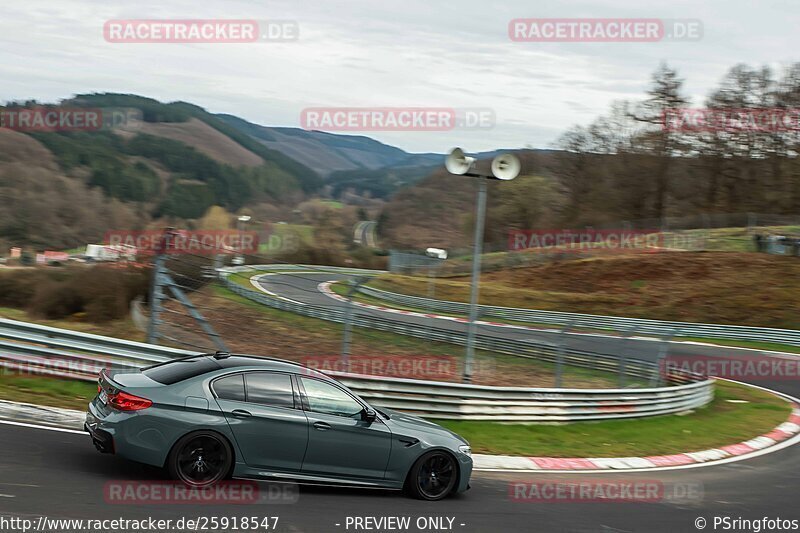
{"type": "Point", "coordinates": [326, 398]}
{"type": "Point", "coordinates": [230, 388]}
{"type": "Point", "coordinates": [268, 388]}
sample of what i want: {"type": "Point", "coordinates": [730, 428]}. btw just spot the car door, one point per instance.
{"type": "Point", "coordinates": [266, 418]}
{"type": "Point", "coordinates": [340, 442]}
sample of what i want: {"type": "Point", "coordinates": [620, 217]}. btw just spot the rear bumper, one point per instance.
{"type": "Point", "coordinates": [102, 440]}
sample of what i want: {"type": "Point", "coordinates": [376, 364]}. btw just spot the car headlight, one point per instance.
{"type": "Point", "coordinates": [466, 450]}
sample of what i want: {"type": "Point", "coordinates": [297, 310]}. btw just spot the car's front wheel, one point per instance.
{"type": "Point", "coordinates": [200, 459]}
{"type": "Point", "coordinates": [433, 476]}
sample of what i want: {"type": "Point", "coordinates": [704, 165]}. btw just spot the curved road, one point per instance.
{"type": "Point", "coordinates": [60, 475]}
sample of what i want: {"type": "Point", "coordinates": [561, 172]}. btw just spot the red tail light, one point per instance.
{"type": "Point", "coordinates": [128, 402]}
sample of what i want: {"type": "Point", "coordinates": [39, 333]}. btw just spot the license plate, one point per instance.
{"type": "Point", "coordinates": [103, 397]}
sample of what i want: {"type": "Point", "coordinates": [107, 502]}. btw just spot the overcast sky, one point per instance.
{"type": "Point", "coordinates": [367, 53]}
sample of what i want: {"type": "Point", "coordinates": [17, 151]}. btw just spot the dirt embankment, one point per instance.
{"type": "Point", "coordinates": [732, 288]}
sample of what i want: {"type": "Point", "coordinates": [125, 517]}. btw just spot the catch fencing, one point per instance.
{"type": "Point", "coordinates": [618, 364]}
{"type": "Point", "coordinates": [642, 326]}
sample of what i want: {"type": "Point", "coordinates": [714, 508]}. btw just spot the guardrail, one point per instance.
{"type": "Point", "coordinates": [642, 326]}
{"type": "Point", "coordinates": [32, 348]}
{"type": "Point", "coordinates": [299, 268]}
{"type": "Point", "coordinates": [511, 404]}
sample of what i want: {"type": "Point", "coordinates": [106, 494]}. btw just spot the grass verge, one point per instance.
{"type": "Point", "coordinates": [746, 289]}
{"type": "Point", "coordinates": [733, 422]}
{"type": "Point", "coordinates": [42, 390]}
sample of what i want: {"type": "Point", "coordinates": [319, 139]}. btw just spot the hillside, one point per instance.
{"type": "Point", "coordinates": [206, 140]}
{"type": "Point", "coordinates": [43, 207]}
{"type": "Point", "coordinates": [171, 162]}
{"type": "Point", "coordinates": [349, 163]}
{"type": "Point", "coordinates": [328, 152]}
{"type": "Point", "coordinates": [439, 209]}
{"type": "Point", "coordinates": [167, 162]}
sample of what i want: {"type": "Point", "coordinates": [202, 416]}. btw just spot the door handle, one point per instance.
{"type": "Point", "coordinates": [241, 413]}
{"type": "Point", "coordinates": [322, 426]}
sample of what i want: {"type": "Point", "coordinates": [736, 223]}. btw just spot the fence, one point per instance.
{"type": "Point", "coordinates": [687, 233]}
{"type": "Point", "coordinates": [532, 349]}
{"type": "Point", "coordinates": [655, 328]}
{"type": "Point", "coordinates": [58, 352]}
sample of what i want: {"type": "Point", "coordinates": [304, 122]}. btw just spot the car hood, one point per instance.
{"type": "Point", "coordinates": [411, 422]}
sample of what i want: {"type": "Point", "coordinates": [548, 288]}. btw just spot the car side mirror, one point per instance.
{"type": "Point", "coordinates": [369, 415]}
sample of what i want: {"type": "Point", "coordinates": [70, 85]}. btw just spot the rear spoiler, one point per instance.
{"type": "Point", "coordinates": [104, 376]}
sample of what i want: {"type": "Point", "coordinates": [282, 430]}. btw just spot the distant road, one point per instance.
{"type": "Point", "coordinates": [364, 233]}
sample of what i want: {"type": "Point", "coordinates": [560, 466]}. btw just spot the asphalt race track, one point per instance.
{"type": "Point", "coordinates": [60, 475]}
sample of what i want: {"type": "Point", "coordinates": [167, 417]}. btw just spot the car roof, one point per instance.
{"type": "Point", "coordinates": [233, 361]}
{"type": "Point", "coordinates": [225, 361]}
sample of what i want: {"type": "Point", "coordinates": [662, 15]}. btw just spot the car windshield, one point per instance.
{"type": "Point", "coordinates": [181, 369]}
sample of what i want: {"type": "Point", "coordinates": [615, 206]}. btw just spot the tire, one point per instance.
{"type": "Point", "coordinates": [433, 477]}
{"type": "Point", "coordinates": [200, 459]}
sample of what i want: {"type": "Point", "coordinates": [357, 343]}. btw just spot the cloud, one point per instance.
{"type": "Point", "coordinates": [361, 53]}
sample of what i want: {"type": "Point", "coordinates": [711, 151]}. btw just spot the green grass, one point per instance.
{"type": "Point", "coordinates": [304, 231]}
{"type": "Point", "coordinates": [243, 279]}
{"type": "Point", "coordinates": [732, 423]}
{"type": "Point", "coordinates": [49, 391]}
{"type": "Point", "coordinates": [661, 435]}
{"type": "Point", "coordinates": [286, 235]}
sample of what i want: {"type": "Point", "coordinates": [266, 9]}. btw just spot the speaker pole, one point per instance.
{"type": "Point", "coordinates": [505, 167]}
{"type": "Point", "coordinates": [476, 275]}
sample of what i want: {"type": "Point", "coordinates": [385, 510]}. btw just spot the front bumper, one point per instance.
{"type": "Point", "coordinates": [465, 472]}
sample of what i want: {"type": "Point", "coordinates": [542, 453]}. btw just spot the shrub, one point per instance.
{"type": "Point", "coordinates": [97, 294]}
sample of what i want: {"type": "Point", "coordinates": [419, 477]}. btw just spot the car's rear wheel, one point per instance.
{"type": "Point", "coordinates": [200, 459]}
{"type": "Point", "coordinates": [433, 476]}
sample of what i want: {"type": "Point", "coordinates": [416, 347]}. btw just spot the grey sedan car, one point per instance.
{"type": "Point", "coordinates": [209, 417]}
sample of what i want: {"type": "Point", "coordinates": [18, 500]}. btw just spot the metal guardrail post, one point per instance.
{"type": "Point", "coordinates": [560, 356]}
{"type": "Point", "coordinates": [623, 360]}
{"type": "Point", "coordinates": [156, 296]}
{"type": "Point", "coordinates": [432, 292]}
{"type": "Point", "coordinates": [354, 284]}
{"type": "Point", "coordinates": [663, 351]}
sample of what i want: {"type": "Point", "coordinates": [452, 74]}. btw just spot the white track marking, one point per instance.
{"type": "Point", "coordinates": [37, 426]}
{"type": "Point", "coordinates": [254, 283]}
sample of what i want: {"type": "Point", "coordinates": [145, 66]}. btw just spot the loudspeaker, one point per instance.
{"type": "Point", "coordinates": [506, 167]}
{"type": "Point", "coordinates": [458, 163]}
